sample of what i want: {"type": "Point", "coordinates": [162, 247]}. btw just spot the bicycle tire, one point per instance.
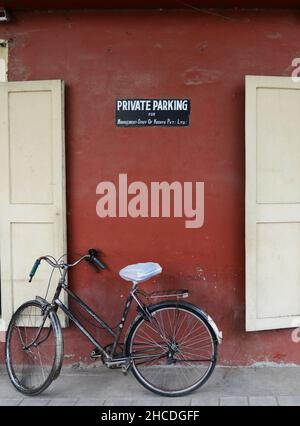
{"type": "Point", "coordinates": [129, 349]}
{"type": "Point", "coordinates": [20, 377]}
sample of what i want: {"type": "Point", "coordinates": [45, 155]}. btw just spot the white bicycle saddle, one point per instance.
{"type": "Point", "coordinates": [140, 271]}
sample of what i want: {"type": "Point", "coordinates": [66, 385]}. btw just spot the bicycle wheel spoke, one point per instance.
{"type": "Point", "coordinates": [191, 333]}
{"type": "Point", "coordinates": [179, 327]}
{"type": "Point", "coordinates": [149, 339]}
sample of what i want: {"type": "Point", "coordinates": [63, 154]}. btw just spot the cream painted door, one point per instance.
{"type": "Point", "coordinates": [32, 188]}
{"type": "Point", "coordinates": [272, 203]}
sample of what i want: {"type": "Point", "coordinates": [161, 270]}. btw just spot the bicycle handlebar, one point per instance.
{"type": "Point", "coordinates": [90, 257]}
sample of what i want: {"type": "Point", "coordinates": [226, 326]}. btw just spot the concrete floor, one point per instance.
{"type": "Point", "coordinates": [100, 386]}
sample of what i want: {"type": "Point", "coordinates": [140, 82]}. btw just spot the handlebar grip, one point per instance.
{"type": "Point", "coordinates": [94, 259]}
{"type": "Point", "coordinates": [34, 268]}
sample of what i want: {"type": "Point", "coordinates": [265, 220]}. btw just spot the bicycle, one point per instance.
{"type": "Point", "coordinates": [171, 346]}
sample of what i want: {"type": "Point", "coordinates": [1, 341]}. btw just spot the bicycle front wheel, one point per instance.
{"type": "Point", "coordinates": [34, 348]}
{"type": "Point", "coordinates": [174, 351]}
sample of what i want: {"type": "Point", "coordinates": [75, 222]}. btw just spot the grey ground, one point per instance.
{"type": "Point", "coordinates": [100, 386]}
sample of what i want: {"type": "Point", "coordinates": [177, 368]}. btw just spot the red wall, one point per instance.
{"type": "Point", "coordinates": [202, 56]}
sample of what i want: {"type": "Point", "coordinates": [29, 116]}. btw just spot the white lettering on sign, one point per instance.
{"type": "Point", "coordinates": [170, 105]}
{"type": "Point", "coordinates": [134, 105]}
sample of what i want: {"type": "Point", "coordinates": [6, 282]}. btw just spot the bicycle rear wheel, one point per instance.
{"type": "Point", "coordinates": [175, 351]}
{"type": "Point", "coordinates": [34, 348]}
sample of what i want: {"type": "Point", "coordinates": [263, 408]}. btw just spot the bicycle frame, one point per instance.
{"type": "Point", "coordinates": [111, 358]}
{"type": "Point", "coordinates": [57, 303]}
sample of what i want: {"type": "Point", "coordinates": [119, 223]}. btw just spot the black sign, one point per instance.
{"type": "Point", "coordinates": [152, 112]}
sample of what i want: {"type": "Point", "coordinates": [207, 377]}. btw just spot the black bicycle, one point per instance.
{"type": "Point", "coordinates": [171, 346]}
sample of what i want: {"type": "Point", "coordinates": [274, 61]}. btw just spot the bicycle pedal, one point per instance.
{"type": "Point", "coordinates": [126, 367]}
{"type": "Point", "coordinates": [124, 370]}
{"type": "Point", "coordinates": [95, 354]}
